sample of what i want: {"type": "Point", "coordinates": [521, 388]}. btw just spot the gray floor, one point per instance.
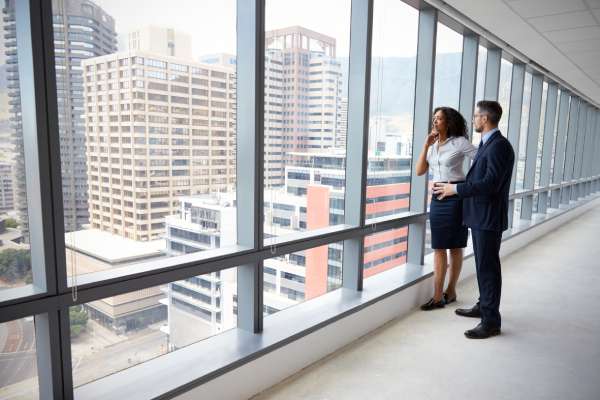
{"type": "Point", "coordinates": [549, 347]}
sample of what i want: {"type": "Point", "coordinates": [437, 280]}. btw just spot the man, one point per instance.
{"type": "Point", "coordinates": [485, 211]}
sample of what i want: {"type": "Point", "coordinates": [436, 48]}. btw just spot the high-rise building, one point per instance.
{"type": "Point", "coordinates": [157, 128]}
{"type": "Point", "coordinates": [303, 97]}
{"type": "Point", "coordinates": [162, 41]}
{"type": "Point", "coordinates": [81, 30]}
{"type": "Point", "coordinates": [7, 199]}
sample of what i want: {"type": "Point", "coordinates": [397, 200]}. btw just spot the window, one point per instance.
{"type": "Point", "coordinates": [479, 84]}
{"type": "Point", "coordinates": [391, 108]}
{"type": "Point", "coordinates": [520, 164]}
{"type": "Point", "coordinates": [448, 61]}
{"type": "Point", "coordinates": [139, 326]}
{"type": "Point", "coordinates": [297, 141]}
{"type": "Point", "coordinates": [385, 250]}
{"type": "Point", "coordinates": [504, 94]}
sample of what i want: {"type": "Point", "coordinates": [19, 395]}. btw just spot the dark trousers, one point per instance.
{"type": "Point", "coordinates": [486, 246]}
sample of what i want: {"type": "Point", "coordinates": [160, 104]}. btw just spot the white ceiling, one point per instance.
{"type": "Point", "coordinates": [562, 36]}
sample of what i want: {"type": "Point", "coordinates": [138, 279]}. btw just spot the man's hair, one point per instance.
{"type": "Point", "coordinates": [492, 109]}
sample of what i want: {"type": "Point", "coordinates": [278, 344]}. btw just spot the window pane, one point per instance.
{"type": "Point", "coordinates": [504, 94]}
{"type": "Point", "coordinates": [385, 250]}
{"type": "Point", "coordinates": [304, 275]}
{"type": "Point", "coordinates": [306, 73]}
{"type": "Point", "coordinates": [540, 144]}
{"type": "Point", "coordinates": [393, 68]}
{"type": "Point", "coordinates": [448, 61]}
{"type": "Point", "coordinates": [15, 264]}
{"type": "Point", "coordinates": [523, 134]}
{"type": "Point", "coordinates": [147, 127]}
{"type": "Point", "coordinates": [554, 136]}
{"type": "Point", "coordinates": [115, 333]}
{"type": "Point", "coordinates": [479, 84]}
{"type": "Point", "coordinates": [18, 366]}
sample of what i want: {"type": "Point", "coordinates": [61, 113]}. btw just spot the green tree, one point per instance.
{"type": "Point", "coordinates": [79, 318]}
{"type": "Point", "coordinates": [15, 265]}
{"type": "Point", "coordinates": [11, 223]}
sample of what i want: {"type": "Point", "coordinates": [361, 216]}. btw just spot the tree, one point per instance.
{"type": "Point", "coordinates": [11, 223]}
{"type": "Point", "coordinates": [15, 265]}
{"type": "Point", "coordinates": [79, 318]}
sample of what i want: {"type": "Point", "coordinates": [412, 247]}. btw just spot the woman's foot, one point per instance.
{"type": "Point", "coordinates": [432, 305]}
{"type": "Point", "coordinates": [449, 298]}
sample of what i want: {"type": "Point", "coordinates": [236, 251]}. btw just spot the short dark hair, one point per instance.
{"type": "Point", "coordinates": [457, 126]}
{"type": "Point", "coordinates": [492, 109]}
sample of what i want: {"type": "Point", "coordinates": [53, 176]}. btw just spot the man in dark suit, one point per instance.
{"type": "Point", "coordinates": [485, 211]}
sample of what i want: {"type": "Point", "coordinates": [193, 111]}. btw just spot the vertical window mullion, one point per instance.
{"type": "Point", "coordinates": [357, 139]}
{"type": "Point", "coordinates": [559, 152]}
{"type": "Point", "coordinates": [468, 79]}
{"type": "Point", "coordinates": [570, 151]}
{"type": "Point", "coordinates": [548, 140]}
{"type": "Point", "coordinates": [422, 122]}
{"type": "Point", "coordinates": [514, 125]}
{"type": "Point", "coordinates": [577, 162]}
{"type": "Point", "coordinates": [533, 132]}
{"type": "Point", "coordinates": [250, 166]}
{"type": "Point", "coordinates": [492, 74]}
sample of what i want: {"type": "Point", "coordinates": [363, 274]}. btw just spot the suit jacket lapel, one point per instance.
{"type": "Point", "coordinates": [485, 146]}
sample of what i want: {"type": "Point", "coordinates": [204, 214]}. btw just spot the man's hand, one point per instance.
{"type": "Point", "coordinates": [442, 190]}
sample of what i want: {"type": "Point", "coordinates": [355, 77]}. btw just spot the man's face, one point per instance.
{"type": "Point", "coordinates": [478, 120]}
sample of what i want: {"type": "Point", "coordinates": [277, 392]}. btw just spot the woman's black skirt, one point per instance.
{"type": "Point", "coordinates": [446, 221]}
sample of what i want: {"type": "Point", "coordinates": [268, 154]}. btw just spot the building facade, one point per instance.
{"type": "Point", "coordinates": [157, 128]}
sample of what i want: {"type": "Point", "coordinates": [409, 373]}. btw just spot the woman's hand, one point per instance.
{"type": "Point", "coordinates": [432, 137]}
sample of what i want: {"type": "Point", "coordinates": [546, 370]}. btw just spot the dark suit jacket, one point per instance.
{"type": "Point", "coordinates": [485, 190]}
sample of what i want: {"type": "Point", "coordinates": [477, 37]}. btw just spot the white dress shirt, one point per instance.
{"type": "Point", "coordinates": [446, 160]}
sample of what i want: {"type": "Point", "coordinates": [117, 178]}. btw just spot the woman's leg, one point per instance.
{"type": "Point", "coordinates": [456, 259]}
{"type": "Point", "coordinates": [440, 263]}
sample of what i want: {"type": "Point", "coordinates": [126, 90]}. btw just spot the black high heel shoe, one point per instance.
{"type": "Point", "coordinates": [447, 300]}
{"type": "Point", "coordinates": [432, 305]}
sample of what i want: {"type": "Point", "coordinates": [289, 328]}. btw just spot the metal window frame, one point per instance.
{"type": "Point", "coordinates": [514, 126]}
{"type": "Point", "coordinates": [533, 131]}
{"type": "Point", "coordinates": [560, 148]}
{"type": "Point", "coordinates": [579, 147]}
{"type": "Point", "coordinates": [492, 73]}
{"type": "Point", "coordinates": [547, 143]}
{"type": "Point", "coordinates": [571, 139]}
{"type": "Point", "coordinates": [423, 103]}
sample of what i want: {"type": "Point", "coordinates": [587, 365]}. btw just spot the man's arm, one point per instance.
{"type": "Point", "coordinates": [499, 163]}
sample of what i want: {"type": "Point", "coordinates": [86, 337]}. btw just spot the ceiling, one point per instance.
{"type": "Point", "coordinates": [562, 36]}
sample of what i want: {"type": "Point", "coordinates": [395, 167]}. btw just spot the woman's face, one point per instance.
{"type": "Point", "coordinates": [439, 121]}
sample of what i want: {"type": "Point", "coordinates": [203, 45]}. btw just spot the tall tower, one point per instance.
{"type": "Point", "coordinates": [81, 30]}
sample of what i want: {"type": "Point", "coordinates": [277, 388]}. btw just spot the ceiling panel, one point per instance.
{"type": "Point", "coordinates": [536, 8]}
{"type": "Point", "coordinates": [563, 21]}
{"type": "Point", "coordinates": [571, 35]}
{"type": "Point", "coordinates": [579, 45]}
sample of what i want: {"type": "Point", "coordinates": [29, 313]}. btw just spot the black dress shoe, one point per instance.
{"type": "Point", "coordinates": [432, 305]}
{"type": "Point", "coordinates": [472, 312]}
{"type": "Point", "coordinates": [481, 332]}
{"type": "Point", "coordinates": [448, 300]}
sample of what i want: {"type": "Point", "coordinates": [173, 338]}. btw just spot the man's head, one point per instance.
{"type": "Point", "coordinates": [487, 115]}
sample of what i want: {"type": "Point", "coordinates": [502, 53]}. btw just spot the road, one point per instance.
{"type": "Point", "coordinates": [17, 356]}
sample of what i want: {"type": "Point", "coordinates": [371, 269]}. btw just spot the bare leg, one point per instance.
{"type": "Point", "coordinates": [440, 264]}
{"type": "Point", "coordinates": [456, 259]}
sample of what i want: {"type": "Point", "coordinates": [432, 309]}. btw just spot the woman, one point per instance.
{"type": "Point", "coordinates": [443, 155]}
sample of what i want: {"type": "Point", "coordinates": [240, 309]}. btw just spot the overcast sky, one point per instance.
{"type": "Point", "coordinates": [212, 22]}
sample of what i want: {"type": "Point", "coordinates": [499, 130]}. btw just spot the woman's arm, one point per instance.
{"type": "Point", "coordinates": [468, 149]}
{"type": "Point", "coordinates": [422, 164]}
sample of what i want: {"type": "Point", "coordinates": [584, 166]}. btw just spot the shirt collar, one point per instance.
{"type": "Point", "coordinates": [485, 136]}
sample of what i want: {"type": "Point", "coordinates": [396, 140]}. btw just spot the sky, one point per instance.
{"type": "Point", "coordinates": [212, 24]}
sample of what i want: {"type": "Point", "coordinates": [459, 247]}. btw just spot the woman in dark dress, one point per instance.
{"type": "Point", "coordinates": [443, 157]}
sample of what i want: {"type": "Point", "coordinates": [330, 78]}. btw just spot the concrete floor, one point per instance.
{"type": "Point", "coordinates": [549, 347]}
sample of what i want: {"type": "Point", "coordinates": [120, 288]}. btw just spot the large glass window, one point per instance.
{"type": "Point", "coordinates": [523, 131]}
{"type": "Point", "coordinates": [18, 364]}
{"type": "Point", "coordinates": [448, 61]}
{"type": "Point", "coordinates": [293, 278]}
{"type": "Point", "coordinates": [15, 263]}
{"type": "Point", "coordinates": [480, 84]}
{"type": "Point", "coordinates": [540, 144]}
{"type": "Point", "coordinates": [385, 250]}
{"type": "Point", "coordinates": [504, 94]}
{"type": "Point", "coordinates": [393, 68]}
{"type": "Point", "coordinates": [118, 332]}
{"type": "Point", "coordinates": [306, 101]}
{"type": "Point", "coordinates": [147, 122]}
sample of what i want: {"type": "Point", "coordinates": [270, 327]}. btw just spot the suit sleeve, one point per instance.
{"type": "Point", "coordinates": [499, 163]}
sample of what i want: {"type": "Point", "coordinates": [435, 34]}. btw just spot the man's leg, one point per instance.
{"type": "Point", "coordinates": [489, 276]}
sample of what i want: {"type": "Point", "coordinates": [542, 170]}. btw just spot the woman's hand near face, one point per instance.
{"type": "Point", "coordinates": [432, 137]}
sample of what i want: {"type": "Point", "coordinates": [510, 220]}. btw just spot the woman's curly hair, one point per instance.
{"type": "Point", "coordinates": [457, 125]}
